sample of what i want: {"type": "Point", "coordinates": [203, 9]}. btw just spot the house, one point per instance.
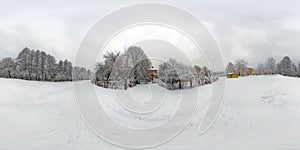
{"type": "Point", "coordinates": [249, 71]}
{"type": "Point", "coordinates": [246, 72]}
{"type": "Point", "coordinates": [232, 75]}
{"type": "Point", "coordinates": [152, 73]}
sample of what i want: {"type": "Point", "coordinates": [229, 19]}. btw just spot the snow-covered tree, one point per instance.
{"type": "Point", "coordinates": [35, 65]}
{"type": "Point", "coordinates": [230, 68]}
{"type": "Point", "coordinates": [206, 74]}
{"type": "Point", "coordinates": [172, 73]}
{"type": "Point", "coordinates": [185, 72]}
{"type": "Point", "coordinates": [121, 69]}
{"type": "Point", "coordinates": [132, 65]}
{"type": "Point", "coordinates": [42, 65]}
{"type": "Point", "coordinates": [299, 69]}
{"type": "Point", "coordinates": [200, 75]}
{"type": "Point", "coordinates": [139, 63]}
{"type": "Point", "coordinates": [162, 70]}
{"type": "Point", "coordinates": [23, 64]}
{"type": "Point", "coordinates": [294, 70]}
{"type": "Point", "coordinates": [50, 68]}
{"type": "Point", "coordinates": [285, 66]}
{"type": "Point", "coordinates": [260, 69]}
{"type": "Point", "coordinates": [169, 72]}
{"type": "Point", "coordinates": [68, 69]}
{"type": "Point", "coordinates": [104, 70]}
{"type": "Point", "coordinates": [100, 73]}
{"type": "Point", "coordinates": [60, 75]}
{"type": "Point", "coordinates": [270, 66]}
{"type": "Point", "coordinates": [80, 73]}
{"type": "Point", "coordinates": [197, 69]}
{"type": "Point", "coordinates": [38, 65]}
{"type": "Point", "coordinates": [172, 77]}
{"type": "Point", "coordinates": [241, 67]}
{"type": "Point", "coordinates": [31, 65]}
{"type": "Point", "coordinates": [109, 63]}
{"type": "Point", "coordinates": [8, 68]}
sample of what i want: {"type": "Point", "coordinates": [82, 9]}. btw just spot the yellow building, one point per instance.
{"type": "Point", "coordinates": [249, 71]}
{"type": "Point", "coordinates": [232, 75]}
{"type": "Point", "coordinates": [152, 73]}
{"type": "Point", "coordinates": [238, 73]}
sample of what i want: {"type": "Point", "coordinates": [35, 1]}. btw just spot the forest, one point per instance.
{"type": "Point", "coordinates": [39, 66]}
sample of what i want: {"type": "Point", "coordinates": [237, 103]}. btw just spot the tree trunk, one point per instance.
{"type": "Point", "coordinates": [180, 86]}
{"type": "Point", "coordinates": [125, 84]}
{"type": "Point", "coordinates": [9, 75]}
{"type": "Point", "coordinates": [107, 76]}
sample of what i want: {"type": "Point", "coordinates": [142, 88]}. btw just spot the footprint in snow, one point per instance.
{"type": "Point", "coordinates": [275, 97]}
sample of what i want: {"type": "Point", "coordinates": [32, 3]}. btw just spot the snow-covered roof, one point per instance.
{"type": "Point", "coordinates": [153, 68]}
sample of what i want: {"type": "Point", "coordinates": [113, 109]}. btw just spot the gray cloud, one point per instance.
{"type": "Point", "coordinates": [254, 30]}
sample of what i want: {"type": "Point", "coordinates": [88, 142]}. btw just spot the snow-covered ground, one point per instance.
{"type": "Point", "coordinates": [260, 112]}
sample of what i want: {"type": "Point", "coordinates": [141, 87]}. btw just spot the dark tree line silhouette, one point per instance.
{"type": "Point", "coordinates": [40, 66]}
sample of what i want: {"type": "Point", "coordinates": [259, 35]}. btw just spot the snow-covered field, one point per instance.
{"type": "Point", "coordinates": [260, 112]}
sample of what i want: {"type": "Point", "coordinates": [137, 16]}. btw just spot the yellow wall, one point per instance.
{"type": "Point", "coordinates": [234, 75]}
{"type": "Point", "coordinates": [152, 74]}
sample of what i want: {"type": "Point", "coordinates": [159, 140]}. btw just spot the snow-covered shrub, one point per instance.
{"type": "Point", "coordinates": [175, 75]}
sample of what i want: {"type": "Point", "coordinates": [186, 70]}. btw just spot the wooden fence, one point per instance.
{"type": "Point", "coordinates": [113, 84]}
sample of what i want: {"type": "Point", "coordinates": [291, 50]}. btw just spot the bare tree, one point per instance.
{"type": "Point", "coordinates": [260, 69]}
{"type": "Point", "coordinates": [230, 68]}
{"type": "Point", "coordinates": [241, 66]}
{"type": "Point", "coordinates": [270, 66]}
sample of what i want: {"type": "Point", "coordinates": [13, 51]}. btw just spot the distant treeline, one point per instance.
{"type": "Point", "coordinates": [40, 66]}
{"type": "Point", "coordinates": [285, 67]}
{"type": "Point", "coordinates": [270, 67]}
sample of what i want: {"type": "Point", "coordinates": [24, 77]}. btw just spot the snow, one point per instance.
{"type": "Point", "coordinates": [260, 112]}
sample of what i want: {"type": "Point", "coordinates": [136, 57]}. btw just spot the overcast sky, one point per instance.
{"type": "Point", "coordinates": [253, 30]}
